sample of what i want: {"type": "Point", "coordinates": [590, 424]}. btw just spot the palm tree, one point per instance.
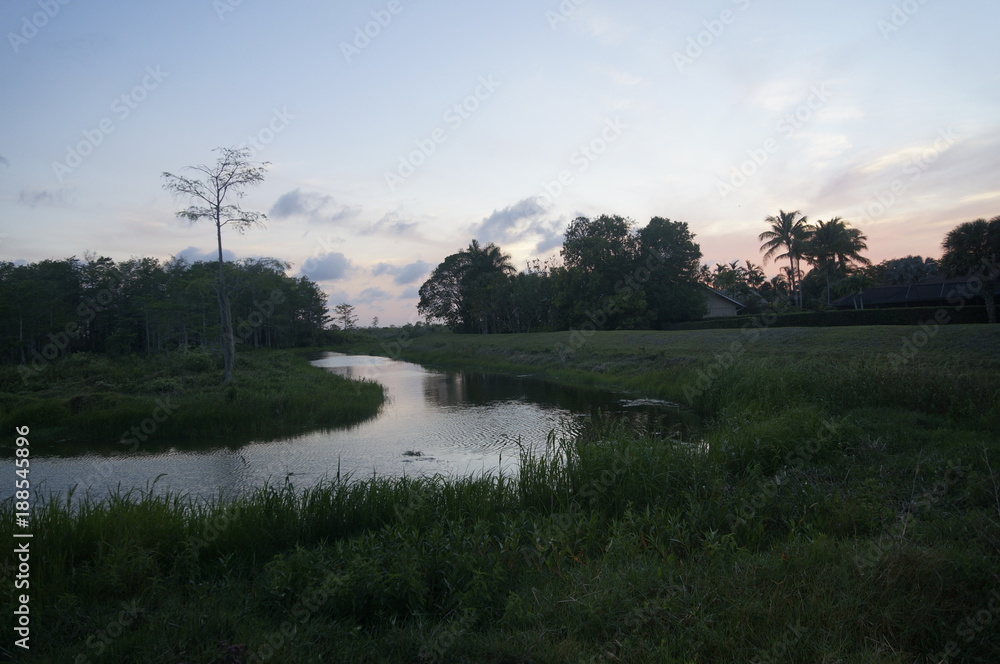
{"type": "Point", "coordinates": [488, 259]}
{"type": "Point", "coordinates": [754, 275]}
{"type": "Point", "coordinates": [973, 248]}
{"type": "Point", "coordinates": [789, 231]}
{"type": "Point", "coordinates": [487, 271]}
{"type": "Point", "coordinates": [835, 247]}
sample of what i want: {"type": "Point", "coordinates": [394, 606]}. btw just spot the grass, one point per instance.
{"type": "Point", "coordinates": [96, 400]}
{"type": "Point", "coordinates": [825, 514]}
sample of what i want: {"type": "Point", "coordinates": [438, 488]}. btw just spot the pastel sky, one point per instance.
{"type": "Point", "coordinates": [398, 130]}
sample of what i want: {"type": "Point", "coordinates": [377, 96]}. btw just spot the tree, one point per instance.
{"type": "Point", "coordinates": [344, 314]}
{"type": "Point", "coordinates": [599, 256]}
{"type": "Point", "coordinates": [789, 231]}
{"type": "Point", "coordinates": [441, 296]}
{"type": "Point", "coordinates": [903, 271]}
{"type": "Point", "coordinates": [374, 323]}
{"type": "Point", "coordinates": [228, 179]}
{"type": "Point", "coordinates": [672, 293]}
{"type": "Point", "coordinates": [972, 250]}
{"type": "Point", "coordinates": [834, 248]}
{"type": "Point", "coordinates": [471, 290]}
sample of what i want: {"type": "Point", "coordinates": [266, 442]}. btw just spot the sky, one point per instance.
{"type": "Point", "coordinates": [397, 131]}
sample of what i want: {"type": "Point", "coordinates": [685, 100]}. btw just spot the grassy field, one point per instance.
{"type": "Point", "coordinates": [840, 504]}
{"type": "Point", "coordinates": [149, 402]}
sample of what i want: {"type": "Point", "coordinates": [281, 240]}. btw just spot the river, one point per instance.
{"type": "Point", "coordinates": [433, 422]}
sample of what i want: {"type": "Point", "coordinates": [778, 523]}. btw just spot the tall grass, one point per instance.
{"type": "Point", "coordinates": [95, 399]}
{"type": "Point", "coordinates": [852, 518]}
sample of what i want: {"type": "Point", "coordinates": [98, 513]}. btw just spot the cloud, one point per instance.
{"type": "Point", "coordinates": [374, 294]}
{"type": "Point", "coordinates": [390, 224]}
{"type": "Point", "coordinates": [3, 161]}
{"type": "Point", "coordinates": [519, 222]}
{"type": "Point", "coordinates": [317, 208]}
{"type": "Point", "coordinates": [37, 197]}
{"type": "Point", "coordinates": [195, 255]}
{"type": "Point", "coordinates": [328, 267]}
{"type": "Point", "coordinates": [411, 293]}
{"type": "Point", "coordinates": [405, 274]}
{"type": "Point", "coordinates": [548, 244]}
{"type": "Point", "coordinates": [606, 29]}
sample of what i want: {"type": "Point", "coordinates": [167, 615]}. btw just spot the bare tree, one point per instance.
{"type": "Point", "coordinates": [228, 179]}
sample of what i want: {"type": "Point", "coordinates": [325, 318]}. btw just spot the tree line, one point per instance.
{"type": "Point", "coordinates": [612, 275]}
{"type": "Point", "coordinates": [609, 274]}
{"type": "Point", "coordinates": [142, 305]}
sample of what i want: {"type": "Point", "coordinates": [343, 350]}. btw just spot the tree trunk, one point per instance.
{"type": "Point", "coordinates": [791, 278]}
{"type": "Point", "coordinates": [228, 342]}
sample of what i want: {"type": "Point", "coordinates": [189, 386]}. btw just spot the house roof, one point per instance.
{"type": "Point", "coordinates": [931, 291]}
{"type": "Point", "coordinates": [723, 295]}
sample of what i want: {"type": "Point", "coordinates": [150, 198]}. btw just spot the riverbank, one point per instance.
{"type": "Point", "coordinates": [146, 402]}
{"type": "Point", "coordinates": [951, 371]}
{"type": "Point", "coordinates": [842, 505]}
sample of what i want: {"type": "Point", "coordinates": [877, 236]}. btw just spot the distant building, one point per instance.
{"type": "Point", "coordinates": [930, 293]}
{"type": "Point", "coordinates": [720, 304]}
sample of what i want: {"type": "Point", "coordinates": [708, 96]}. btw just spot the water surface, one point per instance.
{"type": "Point", "coordinates": [434, 422]}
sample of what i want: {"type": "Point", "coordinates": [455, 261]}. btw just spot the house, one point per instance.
{"type": "Point", "coordinates": [720, 304]}
{"type": "Point", "coordinates": [929, 293]}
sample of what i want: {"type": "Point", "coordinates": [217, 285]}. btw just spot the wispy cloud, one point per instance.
{"type": "Point", "coordinates": [403, 274]}
{"type": "Point", "coordinates": [3, 161]}
{"type": "Point", "coordinates": [42, 197]}
{"type": "Point", "coordinates": [411, 293]}
{"type": "Point", "coordinates": [522, 221]}
{"type": "Point", "coordinates": [316, 208]}
{"type": "Point", "coordinates": [328, 267]}
{"type": "Point", "coordinates": [372, 295]}
{"type": "Point", "coordinates": [196, 255]}
{"type": "Point", "coordinates": [392, 224]}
